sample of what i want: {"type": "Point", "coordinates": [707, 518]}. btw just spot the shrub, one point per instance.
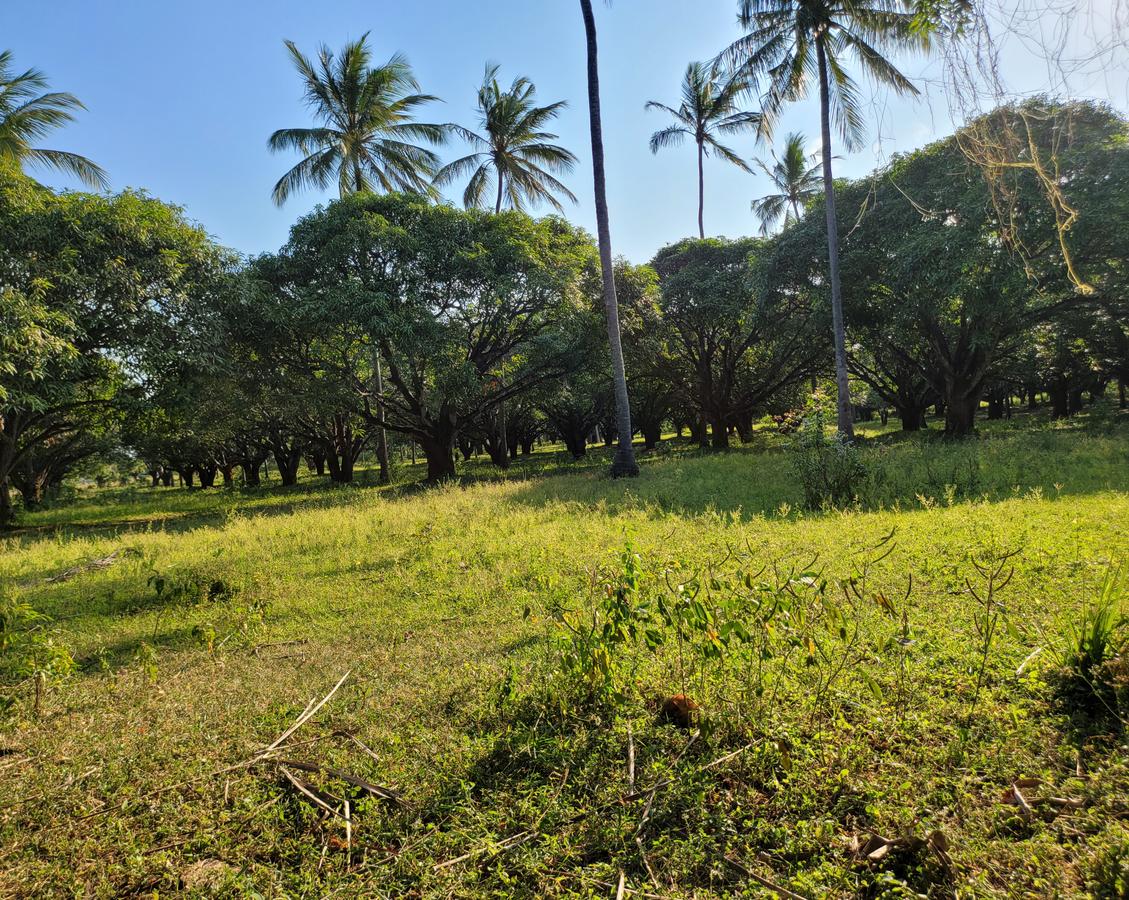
{"type": "Point", "coordinates": [830, 469]}
{"type": "Point", "coordinates": [1094, 659]}
{"type": "Point", "coordinates": [28, 652]}
{"type": "Point", "coordinates": [595, 643]}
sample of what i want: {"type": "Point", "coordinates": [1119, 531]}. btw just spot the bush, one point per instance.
{"type": "Point", "coordinates": [830, 469]}
{"type": "Point", "coordinates": [1109, 877]}
{"type": "Point", "coordinates": [28, 652]}
{"type": "Point", "coordinates": [1095, 658]}
{"type": "Point", "coordinates": [594, 643]}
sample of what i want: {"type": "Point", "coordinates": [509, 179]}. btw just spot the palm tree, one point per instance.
{"type": "Point", "coordinates": [28, 112]}
{"type": "Point", "coordinates": [789, 41]}
{"type": "Point", "coordinates": [364, 139]}
{"type": "Point", "coordinates": [710, 106]}
{"type": "Point", "coordinates": [514, 152]}
{"type": "Point", "coordinates": [624, 464]}
{"type": "Point", "coordinates": [795, 181]}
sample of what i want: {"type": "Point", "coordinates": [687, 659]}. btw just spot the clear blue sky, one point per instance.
{"type": "Point", "coordinates": [182, 95]}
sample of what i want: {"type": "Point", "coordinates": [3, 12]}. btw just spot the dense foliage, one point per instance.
{"type": "Point", "coordinates": [126, 327]}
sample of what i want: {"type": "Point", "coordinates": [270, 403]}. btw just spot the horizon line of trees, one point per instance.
{"type": "Point", "coordinates": [456, 330]}
{"type": "Point", "coordinates": [366, 136]}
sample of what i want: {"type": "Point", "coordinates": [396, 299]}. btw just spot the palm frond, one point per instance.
{"type": "Point", "coordinates": [513, 146]}
{"type": "Point", "coordinates": [365, 126]}
{"type": "Point", "coordinates": [89, 173]}
{"type": "Point", "coordinates": [316, 170]}
{"type": "Point", "coordinates": [29, 112]}
{"type": "Point", "coordinates": [673, 136]}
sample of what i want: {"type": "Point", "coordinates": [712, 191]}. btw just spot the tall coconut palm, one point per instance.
{"type": "Point", "coordinates": [28, 111]}
{"type": "Point", "coordinates": [513, 153]}
{"type": "Point", "coordinates": [710, 107]}
{"type": "Point", "coordinates": [365, 135]}
{"type": "Point", "coordinates": [787, 42]}
{"type": "Point", "coordinates": [624, 464]}
{"type": "Point", "coordinates": [795, 180]}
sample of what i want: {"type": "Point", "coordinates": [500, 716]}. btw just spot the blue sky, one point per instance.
{"type": "Point", "coordinates": [182, 96]}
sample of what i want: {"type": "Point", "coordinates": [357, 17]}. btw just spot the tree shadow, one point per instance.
{"type": "Point", "coordinates": [903, 470]}
{"type": "Point", "coordinates": [127, 650]}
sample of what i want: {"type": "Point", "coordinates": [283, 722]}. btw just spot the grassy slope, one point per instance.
{"type": "Point", "coordinates": [421, 596]}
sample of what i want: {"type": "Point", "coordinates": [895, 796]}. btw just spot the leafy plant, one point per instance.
{"type": "Point", "coordinates": [28, 652]}
{"type": "Point", "coordinates": [1109, 877]}
{"type": "Point", "coordinates": [1097, 643]}
{"type": "Point", "coordinates": [995, 574]}
{"type": "Point", "coordinates": [830, 469]}
{"type": "Point", "coordinates": [593, 641]}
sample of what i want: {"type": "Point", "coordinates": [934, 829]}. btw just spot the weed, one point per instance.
{"type": "Point", "coordinates": [995, 573]}
{"type": "Point", "coordinates": [830, 469]}
{"type": "Point", "coordinates": [1097, 643]}
{"type": "Point", "coordinates": [28, 652]}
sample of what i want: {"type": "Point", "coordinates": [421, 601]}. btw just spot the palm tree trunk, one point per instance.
{"type": "Point", "coordinates": [845, 415]}
{"type": "Point", "coordinates": [381, 434]}
{"type": "Point", "coordinates": [701, 193]}
{"type": "Point", "coordinates": [498, 205]}
{"type": "Point", "coordinates": [624, 464]}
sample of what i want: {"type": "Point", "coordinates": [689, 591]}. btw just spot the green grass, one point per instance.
{"type": "Point", "coordinates": [421, 595]}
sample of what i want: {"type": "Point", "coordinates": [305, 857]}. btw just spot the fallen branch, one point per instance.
{"type": "Point", "coordinates": [91, 565]}
{"type": "Point", "coordinates": [763, 882]}
{"type": "Point", "coordinates": [376, 790]}
{"type": "Point", "coordinates": [323, 801]}
{"type": "Point", "coordinates": [310, 711]}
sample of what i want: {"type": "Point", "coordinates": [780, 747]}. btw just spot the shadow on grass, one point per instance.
{"type": "Point", "coordinates": [127, 650]}
{"type": "Point", "coordinates": [903, 471]}
{"type": "Point", "coordinates": [1087, 454]}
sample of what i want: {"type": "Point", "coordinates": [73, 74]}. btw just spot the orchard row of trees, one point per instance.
{"type": "Point", "coordinates": [124, 325]}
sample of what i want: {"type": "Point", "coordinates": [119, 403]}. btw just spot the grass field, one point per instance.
{"type": "Point", "coordinates": [851, 718]}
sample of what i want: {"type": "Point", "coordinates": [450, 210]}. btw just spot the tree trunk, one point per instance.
{"type": "Point", "coordinates": [287, 462]}
{"type": "Point", "coordinates": [207, 476]}
{"type": "Point", "coordinates": [701, 193]}
{"type": "Point", "coordinates": [576, 443]}
{"type": "Point", "coordinates": [1060, 399]}
{"type": "Point", "coordinates": [185, 477]}
{"type": "Point", "coordinates": [744, 426]}
{"type": "Point", "coordinates": [251, 474]}
{"type": "Point", "coordinates": [440, 455]}
{"type": "Point", "coordinates": [228, 473]}
{"type": "Point", "coordinates": [1122, 398]}
{"type": "Point", "coordinates": [7, 513]}
{"type": "Point", "coordinates": [381, 433]}
{"type": "Point", "coordinates": [845, 410]}
{"type": "Point", "coordinates": [913, 417]}
{"type": "Point", "coordinates": [166, 477]}
{"type": "Point", "coordinates": [960, 415]}
{"type": "Point", "coordinates": [527, 447]}
{"type": "Point", "coordinates": [624, 464]}
{"type": "Point", "coordinates": [720, 434]}
{"type": "Point", "coordinates": [1075, 400]}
